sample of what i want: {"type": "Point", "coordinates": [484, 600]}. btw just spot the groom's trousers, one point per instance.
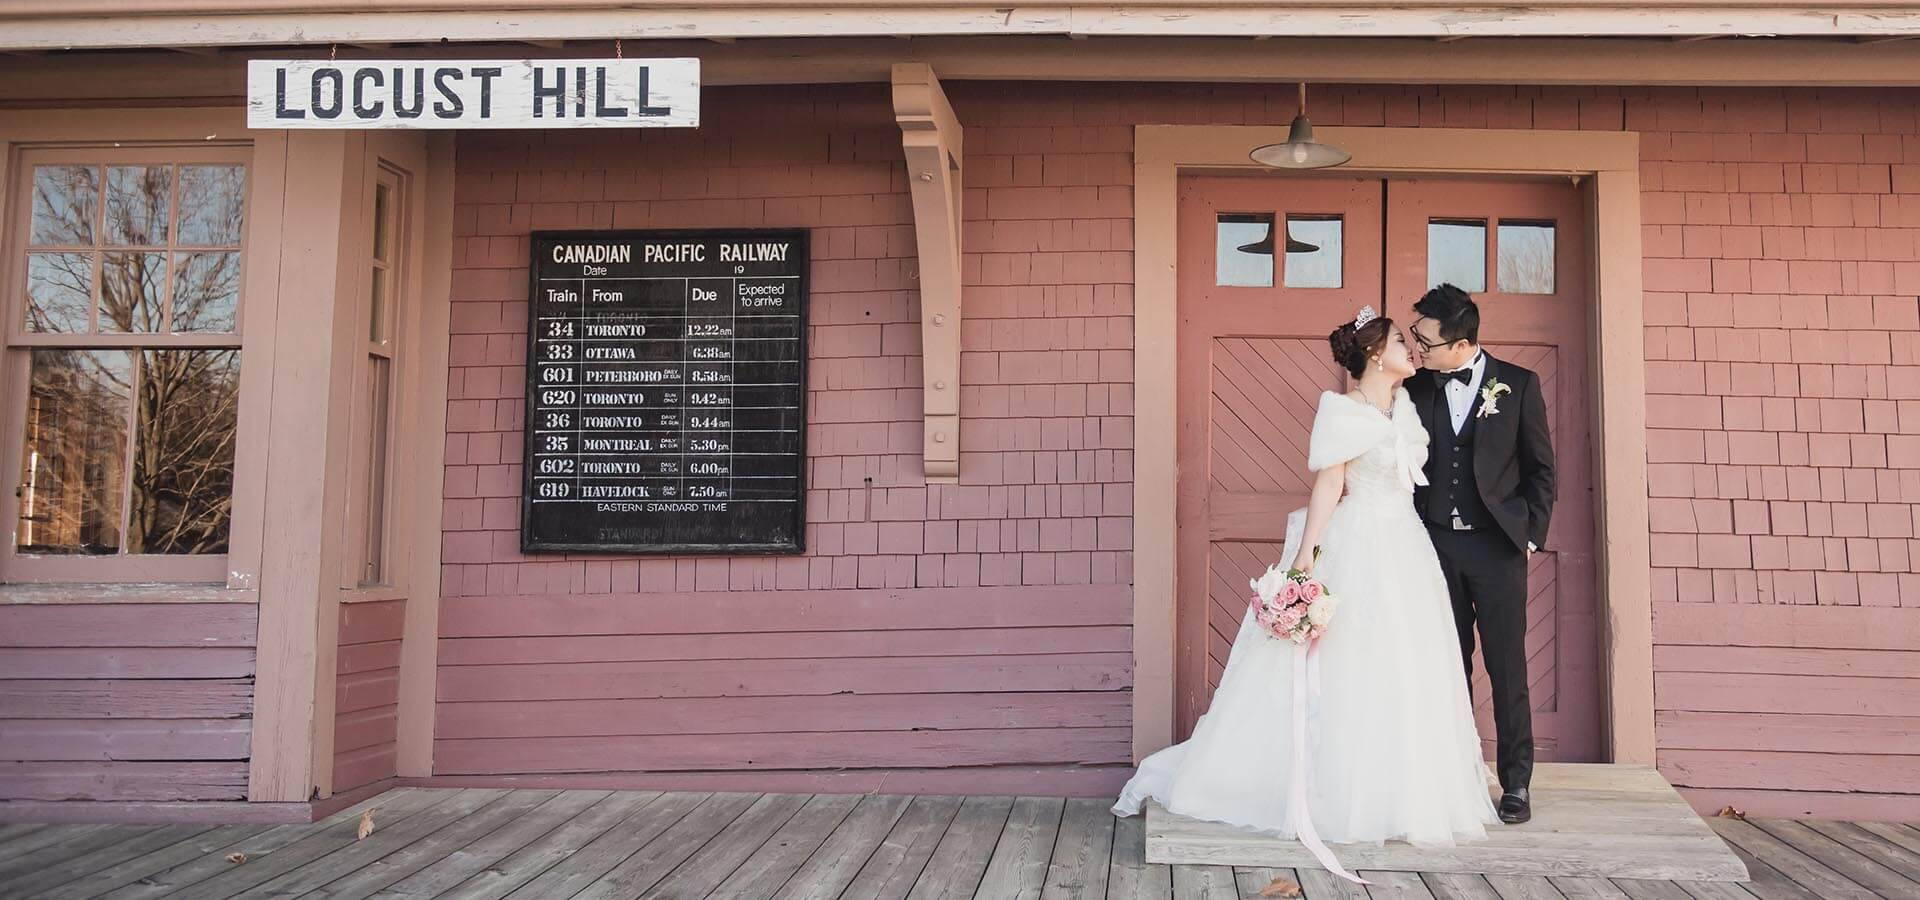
{"type": "Point", "coordinates": [1487, 580]}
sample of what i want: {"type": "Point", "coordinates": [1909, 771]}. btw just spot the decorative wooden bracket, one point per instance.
{"type": "Point", "coordinates": [931, 134]}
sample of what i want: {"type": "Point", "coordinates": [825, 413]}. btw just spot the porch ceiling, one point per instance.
{"type": "Point", "coordinates": [32, 24]}
{"type": "Point", "coordinates": [216, 74]}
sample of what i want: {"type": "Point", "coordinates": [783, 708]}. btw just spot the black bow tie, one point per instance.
{"type": "Point", "coordinates": [1463, 376]}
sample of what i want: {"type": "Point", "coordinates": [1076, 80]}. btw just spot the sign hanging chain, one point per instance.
{"type": "Point", "coordinates": [617, 53]}
{"type": "Point", "coordinates": [333, 53]}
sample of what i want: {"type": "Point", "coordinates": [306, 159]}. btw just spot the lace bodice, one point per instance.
{"type": "Point", "coordinates": [1384, 455]}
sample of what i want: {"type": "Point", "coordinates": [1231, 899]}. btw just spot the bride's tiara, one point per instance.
{"type": "Point", "coordinates": [1366, 315]}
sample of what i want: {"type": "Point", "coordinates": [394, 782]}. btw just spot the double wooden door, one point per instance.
{"type": "Point", "coordinates": [1268, 266]}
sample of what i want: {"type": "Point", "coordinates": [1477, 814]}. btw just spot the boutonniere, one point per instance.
{"type": "Point", "coordinates": [1490, 396]}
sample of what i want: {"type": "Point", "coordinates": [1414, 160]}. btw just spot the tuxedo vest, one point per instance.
{"type": "Point", "coordinates": [1453, 483]}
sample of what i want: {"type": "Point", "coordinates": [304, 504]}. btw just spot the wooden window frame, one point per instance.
{"type": "Point", "coordinates": [17, 567]}
{"type": "Point", "coordinates": [392, 347]}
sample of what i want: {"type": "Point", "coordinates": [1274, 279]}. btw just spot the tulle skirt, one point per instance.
{"type": "Point", "coordinates": [1393, 754]}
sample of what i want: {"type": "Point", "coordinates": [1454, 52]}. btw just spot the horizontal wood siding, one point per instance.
{"type": "Point", "coordinates": [367, 693]}
{"type": "Point", "coordinates": [1771, 708]}
{"type": "Point", "coordinates": [126, 702]}
{"type": "Point", "coordinates": [979, 625]}
{"type": "Point", "coordinates": [821, 680]}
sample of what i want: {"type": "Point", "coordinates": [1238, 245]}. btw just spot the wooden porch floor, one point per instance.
{"type": "Point", "coordinates": [542, 844]}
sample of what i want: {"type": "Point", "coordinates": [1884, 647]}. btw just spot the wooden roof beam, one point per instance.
{"type": "Point", "coordinates": [930, 132]}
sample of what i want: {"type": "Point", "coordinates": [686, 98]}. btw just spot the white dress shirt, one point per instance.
{"type": "Point", "coordinates": [1460, 395]}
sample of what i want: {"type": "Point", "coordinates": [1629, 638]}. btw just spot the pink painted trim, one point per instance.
{"type": "Point", "coordinates": [1052, 781]}
{"type": "Point", "coordinates": [65, 812]}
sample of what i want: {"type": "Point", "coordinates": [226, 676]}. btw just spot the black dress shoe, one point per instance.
{"type": "Point", "coordinates": [1514, 808]}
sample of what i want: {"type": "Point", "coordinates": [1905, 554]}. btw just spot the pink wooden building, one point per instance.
{"type": "Point", "coordinates": [264, 392]}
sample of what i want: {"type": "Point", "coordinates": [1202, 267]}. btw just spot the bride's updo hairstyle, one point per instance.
{"type": "Point", "coordinates": [1353, 347]}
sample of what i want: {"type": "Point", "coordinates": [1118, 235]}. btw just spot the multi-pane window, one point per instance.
{"type": "Point", "coordinates": [374, 422]}
{"type": "Point", "coordinates": [127, 317]}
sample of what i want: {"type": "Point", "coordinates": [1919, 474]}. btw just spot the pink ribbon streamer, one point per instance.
{"type": "Point", "coordinates": [1306, 681]}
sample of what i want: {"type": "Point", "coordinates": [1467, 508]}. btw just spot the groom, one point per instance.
{"type": "Point", "coordinates": [1489, 495]}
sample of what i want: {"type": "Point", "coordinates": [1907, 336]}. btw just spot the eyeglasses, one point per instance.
{"type": "Point", "coordinates": [1424, 346]}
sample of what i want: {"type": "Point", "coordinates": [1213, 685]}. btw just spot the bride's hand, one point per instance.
{"type": "Point", "coordinates": [1304, 562]}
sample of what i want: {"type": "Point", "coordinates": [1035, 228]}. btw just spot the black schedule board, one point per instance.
{"type": "Point", "coordinates": [666, 392]}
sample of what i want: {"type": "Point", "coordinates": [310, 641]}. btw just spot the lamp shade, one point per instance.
{"type": "Point", "coordinates": [1300, 150]}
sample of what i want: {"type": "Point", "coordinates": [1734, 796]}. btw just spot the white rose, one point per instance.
{"type": "Point", "coordinates": [1320, 611]}
{"type": "Point", "coordinates": [1269, 583]}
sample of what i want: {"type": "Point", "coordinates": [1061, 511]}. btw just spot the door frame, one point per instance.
{"type": "Point", "coordinates": [1606, 165]}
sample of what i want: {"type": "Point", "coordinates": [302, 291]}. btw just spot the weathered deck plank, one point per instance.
{"type": "Point", "coordinates": [1839, 858]}
{"type": "Point", "coordinates": [1017, 868]}
{"type": "Point", "coordinates": [443, 874]}
{"type": "Point", "coordinates": [1131, 877]}
{"type": "Point", "coordinates": [890, 872]}
{"type": "Point", "coordinates": [832, 866]}
{"type": "Point", "coordinates": [692, 864]}
{"type": "Point", "coordinates": [962, 856]}
{"type": "Point", "coordinates": [566, 842]}
{"type": "Point", "coordinates": [776, 860]}
{"type": "Point", "coordinates": [536, 844]}
{"type": "Point", "coordinates": [1082, 853]}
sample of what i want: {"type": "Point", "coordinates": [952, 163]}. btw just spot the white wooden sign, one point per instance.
{"type": "Point", "coordinates": [473, 93]}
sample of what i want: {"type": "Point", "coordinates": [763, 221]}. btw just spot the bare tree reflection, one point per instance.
{"type": "Point", "coordinates": [182, 495]}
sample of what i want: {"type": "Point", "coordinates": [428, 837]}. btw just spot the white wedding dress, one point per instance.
{"type": "Point", "coordinates": [1392, 750]}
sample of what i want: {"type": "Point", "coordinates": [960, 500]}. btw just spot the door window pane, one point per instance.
{"type": "Point", "coordinates": [1526, 257]}
{"type": "Point", "coordinates": [1313, 252]}
{"type": "Point", "coordinates": [206, 290]}
{"type": "Point", "coordinates": [59, 291]}
{"type": "Point", "coordinates": [75, 459]}
{"type": "Point", "coordinates": [1243, 250]}
{"type": "Point", "coordinates": [138, 203]}
{"type": "Point", "coordinates": [65, 201]}
{"type": "Point", "coordinates": [213, 203]}
{"type": "Point", "coordinates": [182, 490]}
{"type": "Point", "coordinates": [1457, 253]}
{"type": "Point", "coordinates": [131, 288]}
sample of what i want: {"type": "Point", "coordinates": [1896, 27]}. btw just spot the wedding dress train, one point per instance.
{"type": "Point", "coordinates": [1393, 754]}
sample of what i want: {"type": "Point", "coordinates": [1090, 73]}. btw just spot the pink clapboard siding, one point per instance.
{"type": "Point", "coordinates": [367, 692]}
{"type": "Point", "coordinates": [1782, 233]}
{"type": "Point", "coordinates": [927, 627]}
{"type": "Point", "coordinates": [125, 701]}
{"type": "Point", "coordinates": [1782, 242]}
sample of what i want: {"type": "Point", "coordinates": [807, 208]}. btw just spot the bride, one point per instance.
{"type": "Point", "coordinates": [1392, 752]}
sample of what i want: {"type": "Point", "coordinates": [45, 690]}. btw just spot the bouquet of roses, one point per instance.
{"type": "Point", "coordinates": [1290, 604]}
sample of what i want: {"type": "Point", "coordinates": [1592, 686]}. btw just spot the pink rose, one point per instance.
{"type": "Point", "coordinates": [1290, 593]}
{"type": "Point", "coordinates": [1310, 591]}
{"type": "Point", "coordinates": [1289, 618]}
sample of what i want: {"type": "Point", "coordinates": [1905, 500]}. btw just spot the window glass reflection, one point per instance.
{"type": "Point", "coordinates": [1314, 252]}
{"type": "Point", "coordinates": [1243, 250]}
{"type": "Point", "coordinates": [1457, 253]}
{"type": "Point", "coordinates": [1526, 257]}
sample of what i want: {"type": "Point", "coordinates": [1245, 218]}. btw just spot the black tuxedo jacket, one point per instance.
{"type": "Point", "coordinates": [1512, 453]}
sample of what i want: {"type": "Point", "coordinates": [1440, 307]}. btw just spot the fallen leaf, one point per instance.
{"type": "Point", "coordinates": [366, 824]}
{"type": "Point", "coordinates": [236, 858]}
{"type": "Point", "coordinates": [1728, 812]}
{"type": "Point", "coordinates": [1281, 887]}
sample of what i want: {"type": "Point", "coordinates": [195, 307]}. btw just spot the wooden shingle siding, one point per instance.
{"type": "Point", "coordinates": [366, 692]}
{"type": "Point", "coordinates": [103, 701]}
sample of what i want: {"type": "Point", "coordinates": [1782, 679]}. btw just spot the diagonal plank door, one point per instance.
{"type": "Point", "coordinates": [1253, 361]}
{"type": "Point", "coordinates": [1524, 244]}
{"type": "Point", "coordinates": [1254, 358]}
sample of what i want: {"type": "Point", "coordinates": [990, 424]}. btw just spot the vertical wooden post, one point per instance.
{"type": "Point", "coordinates": [931, 135]}
{"type": "Point", "coordinates": [1620, 392]}
{"type": "Point", "coordinates": [304, 434]}
{"type": "Point", "coordinates": [427, 410]}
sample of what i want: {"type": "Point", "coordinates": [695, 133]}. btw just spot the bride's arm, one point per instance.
{"type": "Point", "coordinates": [1328, 484]}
